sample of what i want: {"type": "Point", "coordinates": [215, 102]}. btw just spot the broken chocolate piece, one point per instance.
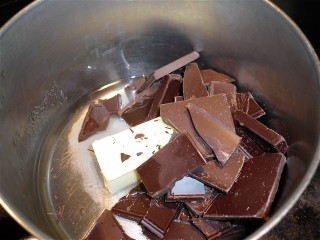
{"type": "Point", "coordinates": [169, 164]}
{"type": "Point", "coordinates": [212, 229]}
{"type": "Point", "coordinates": [248, 146]}
{"type": "Point", "coordinates": [214, 133]}
{"type": "Point", "coordinates": [186, 189]}
{"type": "Point", "coordinates": [176, 114]}
{"type": "Point", "coordinates": [267, 134]}
{"type": "Point", "coordinates": [96, 119]}
{"type": "Point", "coordinates": [124, 157]}
{"type": "Point", "coordinates": [169, 88]}
{"type": "Point", "coordinates": [137, 111]}
{"type": "Point", "coordinates": [106, 227]}
{"type": "Point", "coordinates": [197, 208]}
{"type": "Point", "coordinates": [183, 216]}
{"type": "Point", "coordinates": [112, 104]}
{"type": "Point", "coordinates": [193, 86]}
{"type": "Point", "coordinates": [221, 87]}
{"type": "Point", "coordinates": [247, 104]}
{"type": "Point", "coordinates": [219, 177]}
{"type": "Point", "coordinates": [169, 68]}
{"type": "Point", "coordinates": [209, 75]}
{"type": "Point", "coordinates": [136, 84]}
{"type": "Point", "coordinates": [134, 205]}
{"type": "Point", "coordinates": [178, 230]}
{"type": "Point", "coordinates": [159, 216]}
{"type": "Point", "coordinates": [252, 195]}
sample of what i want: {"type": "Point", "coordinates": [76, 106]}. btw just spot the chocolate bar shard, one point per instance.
{"type": "Point", "coordinates": [134, 205]}
{"type": "Point", "coordinates": [136, 84]}
{"type": "Point", "coordinates": [267, 134]}
{"type": "Point", "coordinates": [247, 104]}
{"type": "Point", "coordinates": [212, 229]}
{"type": "Point", "coordinates": [225, 88]}
{"type": "Point", "coordinates": [222, 141]}
{"type": "Point", "coordinates": [222, 178]}
{"type": "Point", "coordinates": [137, 111]}
{"type": "Point", "coordinates": [197, 208]}
{"type": "Point", "coordinates": [112, 104]}
{"type": "Point", "coordinates": [178, 230]}
{"type": "Point", "coordinates": [209, 75]}
{"type": "Point", "coordinates": [253, 193]}
{"type": "Point", "coordinates": [186, 189]}
{"type": "Point", "coordinates": [176, 114]}
{"type": "Point", "coordinates": [159, 216]}
{"type": "Point", "coordinates": [96, 119]}
{"type": "Point", "coordinates": [169, 68]}
{"type": "Point", "coordinates": [160, 172]}
{"type": "Point", "coordinates": [193, 86]}
{"type": "Point", "coordinates": [107, 227]}
{"type": "Point", "coordinates": [169, 88]}
{"type": "Point", "coordinates": [248, 146]}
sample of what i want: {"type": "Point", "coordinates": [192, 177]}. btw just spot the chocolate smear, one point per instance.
{"type": "Point", "coordinates": [124, 157]}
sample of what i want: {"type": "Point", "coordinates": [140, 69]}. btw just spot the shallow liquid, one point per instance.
{"type": "Point", "coordinates": [70, 184]}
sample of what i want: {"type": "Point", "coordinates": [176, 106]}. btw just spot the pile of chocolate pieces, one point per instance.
{"type": "Point", "coordinates": [222, 167]}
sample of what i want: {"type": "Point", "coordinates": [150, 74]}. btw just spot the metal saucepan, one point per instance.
{"type": "Point", "coordinates": [54, 55]}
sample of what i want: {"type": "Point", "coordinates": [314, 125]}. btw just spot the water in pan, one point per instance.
{"type": "Point", "coordinates": [71, 187]}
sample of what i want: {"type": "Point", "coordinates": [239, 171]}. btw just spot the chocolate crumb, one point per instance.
{"type": "Point", "coordinates": [139, 153]}
{"type": "Point", "coordinates": [139, 135]}
{"type": "Point", "coordinates": [124, 157]}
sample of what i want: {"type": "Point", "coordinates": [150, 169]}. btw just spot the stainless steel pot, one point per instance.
{"type": "Point", "coordinates": [54, 54]}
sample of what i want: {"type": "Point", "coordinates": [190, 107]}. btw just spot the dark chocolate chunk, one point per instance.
{"type": "Point", "coordinates": [267, 134]}
{"type": "Point", "coordinates": [112, 104]}
{"type": "Point", "coordinates": [252, 195]}
{"type": "Point", "coordinates": [169, 164]}
{"type": "Point", "coordinates": [137, 111]}
{"type": "Point", "coordinates": [96, 119]}
{"type": "Point", "coordinates": [209, 75]}
{"type": "Point", "coordinates": [184, 215]}
{"type": "Point", "coordinates": [212, 229]}
{"type": "Point", "coordinates": [197, 208]}
{"type": "Point", "coordinates": [178, 230]}
{"type": "Point", "coordinates": [193, 86]}
{"type": "Point", "coordinates": [221, 87]}
{"type": "Point", "coordinates": [176, 114]}
{"type": "Point", "coordinates": [186, 189]}
{"type": "Point", "coordinates": [226, 88]}
{"type": "Point", "coordinates": [246, 103]}
{"type": "Point", "coordinates": [223, 178]}
{"type": "Point", "coordinates": [214, 133]}
{"type": "Point", "coordinates": [159, 216]}
{"type": "Point", "coordinates": [248, 146]}
{"type": "Point", "coordinates": [136, 84]}
{"type": "Point", "coordinates": [134, 205]}
{"type": "Point", "coordinates": [169, 88]}
{"type": "Point", "coordinates": [106, 227]}
{"type": "Point", "coordinates": [124, 157]}
{"type": "Point", "coordinates": [169, 68]}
